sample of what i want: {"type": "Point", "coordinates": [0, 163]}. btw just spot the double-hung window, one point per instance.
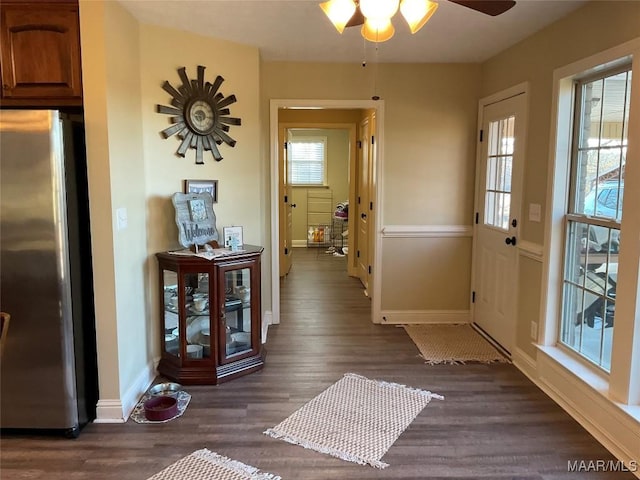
{"type": "Point", "coordinates": [594, 215]}
{"type": "Point", "coordinates": [308, 160]}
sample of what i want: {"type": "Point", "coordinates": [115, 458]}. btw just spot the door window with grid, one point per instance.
{"type": "Point", "coordinates": [497, 200]}
{"type": "Point", "coordinates": [599, 151]}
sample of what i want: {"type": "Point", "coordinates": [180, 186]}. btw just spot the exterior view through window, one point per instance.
{"type": "Point", "coordinates": [499, 169]}
{"type": "Point", "coordinates": [599, 151]}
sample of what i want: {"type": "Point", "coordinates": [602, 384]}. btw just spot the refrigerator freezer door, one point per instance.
{"type": "Point", "coordinates": [37, 368]}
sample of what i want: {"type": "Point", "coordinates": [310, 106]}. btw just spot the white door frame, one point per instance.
{"type": "Point", "coordinates": [521, 88]}
{"type": "Point", "coordinates": [275, 105]}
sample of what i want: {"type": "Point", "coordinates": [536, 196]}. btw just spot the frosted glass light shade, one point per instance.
{"type": "Point", "coordinates": [417, 12]}
{"type": "Point", "coordinates": [339, 12]}
{"type": "Point", "coordinates": [379, 9]}
{"type": "Point", "coordinates": [377, 30]}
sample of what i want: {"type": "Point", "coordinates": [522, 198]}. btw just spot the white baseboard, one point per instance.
{"type": "Point", "coordinates": [118, 410]}
{"type": "Point", "coordinates": [266, 321]}
{"type": "Point", "coordinates": [525, 364]}
{"type": "Point", "coordinates": [425, 316]}
{"type": "Point", "coordinates": [617, 431]}
{"type": "Point", "coordinates": [109, 411]}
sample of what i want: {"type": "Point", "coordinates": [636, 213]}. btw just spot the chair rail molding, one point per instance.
{"type": "Point", "coordinates": [426, 231]}
{"type": "Point", "coordinates": [531, 250]}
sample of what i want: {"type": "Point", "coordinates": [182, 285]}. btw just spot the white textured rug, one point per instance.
{"type": "Point", "coordinates": [453, 344]}
{"type": "Point", "coordinates": [355, 419]}
{"type": "Point", "coordinates": [207, 465]}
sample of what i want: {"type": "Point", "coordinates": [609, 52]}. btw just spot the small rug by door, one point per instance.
{"type": "Point", "coordinates": [207, 465]}
{"type": "Point", "coordinates": [355, 419]}
{"type": "Point", "coordinates": [453, 344]}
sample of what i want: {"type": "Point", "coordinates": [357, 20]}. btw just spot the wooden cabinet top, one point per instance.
{"type": "Point", "coordinates": [248, 251]}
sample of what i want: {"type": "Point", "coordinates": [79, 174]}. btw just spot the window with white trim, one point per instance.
{"type": "Point", "coordinates": [594, 213]}
{"type": "Point", "coordinates": [308, 161]}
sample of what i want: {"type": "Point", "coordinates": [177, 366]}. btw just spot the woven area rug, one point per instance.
{"type": "Point", "coordinates": [453, 344]}
{"type": "Point", "coordinates": [207, 465]}
{"type": "Point", "coordinates": [355, 419]}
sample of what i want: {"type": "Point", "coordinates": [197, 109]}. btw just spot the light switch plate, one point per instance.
{"type": "Point", "coordinates": [121, 218]}
{"type": "Point", "coordinates": [535, 212]}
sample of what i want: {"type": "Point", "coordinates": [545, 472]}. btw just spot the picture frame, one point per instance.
{"type": "Point", "coordinates": [202, 186]}
{"type": "Point", "coordinates": [232, 237]}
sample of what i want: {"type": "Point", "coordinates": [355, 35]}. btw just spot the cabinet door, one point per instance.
{"type": "Point", "coordinates": [40, 51]}
{"type": "Point", "coordinates": [238, 331]}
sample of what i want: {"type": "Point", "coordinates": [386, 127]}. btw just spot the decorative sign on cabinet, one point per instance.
{"type": "Point", "coordinates": [210, 316]}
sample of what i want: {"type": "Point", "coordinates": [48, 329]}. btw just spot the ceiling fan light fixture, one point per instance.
{"type": "Point", "coordinates": [417, 12]}
{"type": "Point", "coordinates": [339, 12]}
{"type": "Point", "coordinates": [379, 9]}
{"type": "Point", "coordinates": [377, 30]}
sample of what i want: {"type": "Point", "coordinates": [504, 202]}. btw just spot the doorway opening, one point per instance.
{"type": "Point", "coordinates": [301, 117]}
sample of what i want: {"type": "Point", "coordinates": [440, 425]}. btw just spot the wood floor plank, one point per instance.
{"type": "Point", "coordinates": [493, 424]}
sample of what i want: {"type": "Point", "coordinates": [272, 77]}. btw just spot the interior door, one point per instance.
{"type": "Point", "coordinates": [498, 218]}
{"type": "Point", "coordinates": [286, 206]}
{"type": "Point", "coordinates": [362, 245]}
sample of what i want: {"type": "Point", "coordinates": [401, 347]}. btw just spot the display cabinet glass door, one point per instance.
{"type": "Point", "coordinates": [235, 313]}
{"type": "Point", "coordinates": [187, 328]}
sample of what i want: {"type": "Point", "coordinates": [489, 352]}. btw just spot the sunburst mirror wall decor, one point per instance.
{"type": "Point", "coordinates": [199, 115]}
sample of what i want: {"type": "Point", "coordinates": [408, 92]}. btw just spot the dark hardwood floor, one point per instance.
{"type": "Point", "coordinates": [493, 424]}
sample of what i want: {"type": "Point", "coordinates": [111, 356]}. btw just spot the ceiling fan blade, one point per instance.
{"type": "Point", "coordinates": [357, 18]}
{"type": "Point", "coordinates": [488, 7]}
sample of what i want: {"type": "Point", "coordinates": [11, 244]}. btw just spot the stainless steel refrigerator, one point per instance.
{"type": "Point", "coordinates": [48, 368]}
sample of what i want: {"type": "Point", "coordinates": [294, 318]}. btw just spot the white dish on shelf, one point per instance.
{"type": "Point", "coordinates": [195, 327]}
{"type": "Point", "coordinates": [241, 337]}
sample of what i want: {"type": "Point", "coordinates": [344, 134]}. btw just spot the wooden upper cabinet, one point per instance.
{"type": "Point", "coordinates": [40, 52]}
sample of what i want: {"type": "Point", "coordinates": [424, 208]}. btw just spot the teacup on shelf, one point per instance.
{"type": "Point", "coordinates": [199, 304]}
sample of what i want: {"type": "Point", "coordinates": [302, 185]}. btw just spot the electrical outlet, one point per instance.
{"type": "Point", "coordinates": [534, 330]}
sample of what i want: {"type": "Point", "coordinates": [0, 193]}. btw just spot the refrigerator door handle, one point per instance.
{"type": "Point", "coordinates": [4, 329]}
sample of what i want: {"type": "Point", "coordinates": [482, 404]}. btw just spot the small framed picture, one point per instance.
{"type": "Point", "coordinates": [198, 210]}
{"type": "Point", "coordinates": [233, 238]}
{"type": "Point", "coordinates": [202, 186]}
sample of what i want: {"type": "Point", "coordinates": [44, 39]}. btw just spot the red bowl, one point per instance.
{"type": "Point", "coordinates": [160, 408]}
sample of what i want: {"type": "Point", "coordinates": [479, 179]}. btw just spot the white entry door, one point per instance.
{"type": "Point", "coordinates": [498, 207]}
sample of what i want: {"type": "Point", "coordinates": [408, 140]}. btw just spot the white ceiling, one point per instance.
{"type": "Point", "coordinates": [298, 30]}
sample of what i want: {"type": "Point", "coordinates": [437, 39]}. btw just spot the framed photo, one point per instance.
{"type": "Point", "coordinates": [198, 210]}
{"type": "Point", "coordinates": [202, 186]}
{"type": "Point", "coordinates": [232, 237]}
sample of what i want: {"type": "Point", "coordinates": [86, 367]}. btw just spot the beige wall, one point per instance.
{"type": "Point", "coordinates": [131, 166]}
{"type": "Point", "coordinates": [238, 174]}
{"type": "Point", "coordinates": [116, 180]}
{"type": "Point", "coordinates": [429, 151]}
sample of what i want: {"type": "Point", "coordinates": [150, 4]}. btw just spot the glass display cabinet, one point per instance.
{"type": "Point", "coordinates": [210, 316]}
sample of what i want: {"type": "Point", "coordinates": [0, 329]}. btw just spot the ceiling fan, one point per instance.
{"type": "Point", "coordinates": [375, 15]}
{"type": "Point", "coordinates": [488, 7]}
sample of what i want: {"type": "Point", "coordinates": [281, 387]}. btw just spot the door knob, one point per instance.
{"type": "Point", "coordinates": [510, 241]}
{"type": "Point", "coordinates": [363, 215]}
{"type": "Point", "coordinates": [293, 205]}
